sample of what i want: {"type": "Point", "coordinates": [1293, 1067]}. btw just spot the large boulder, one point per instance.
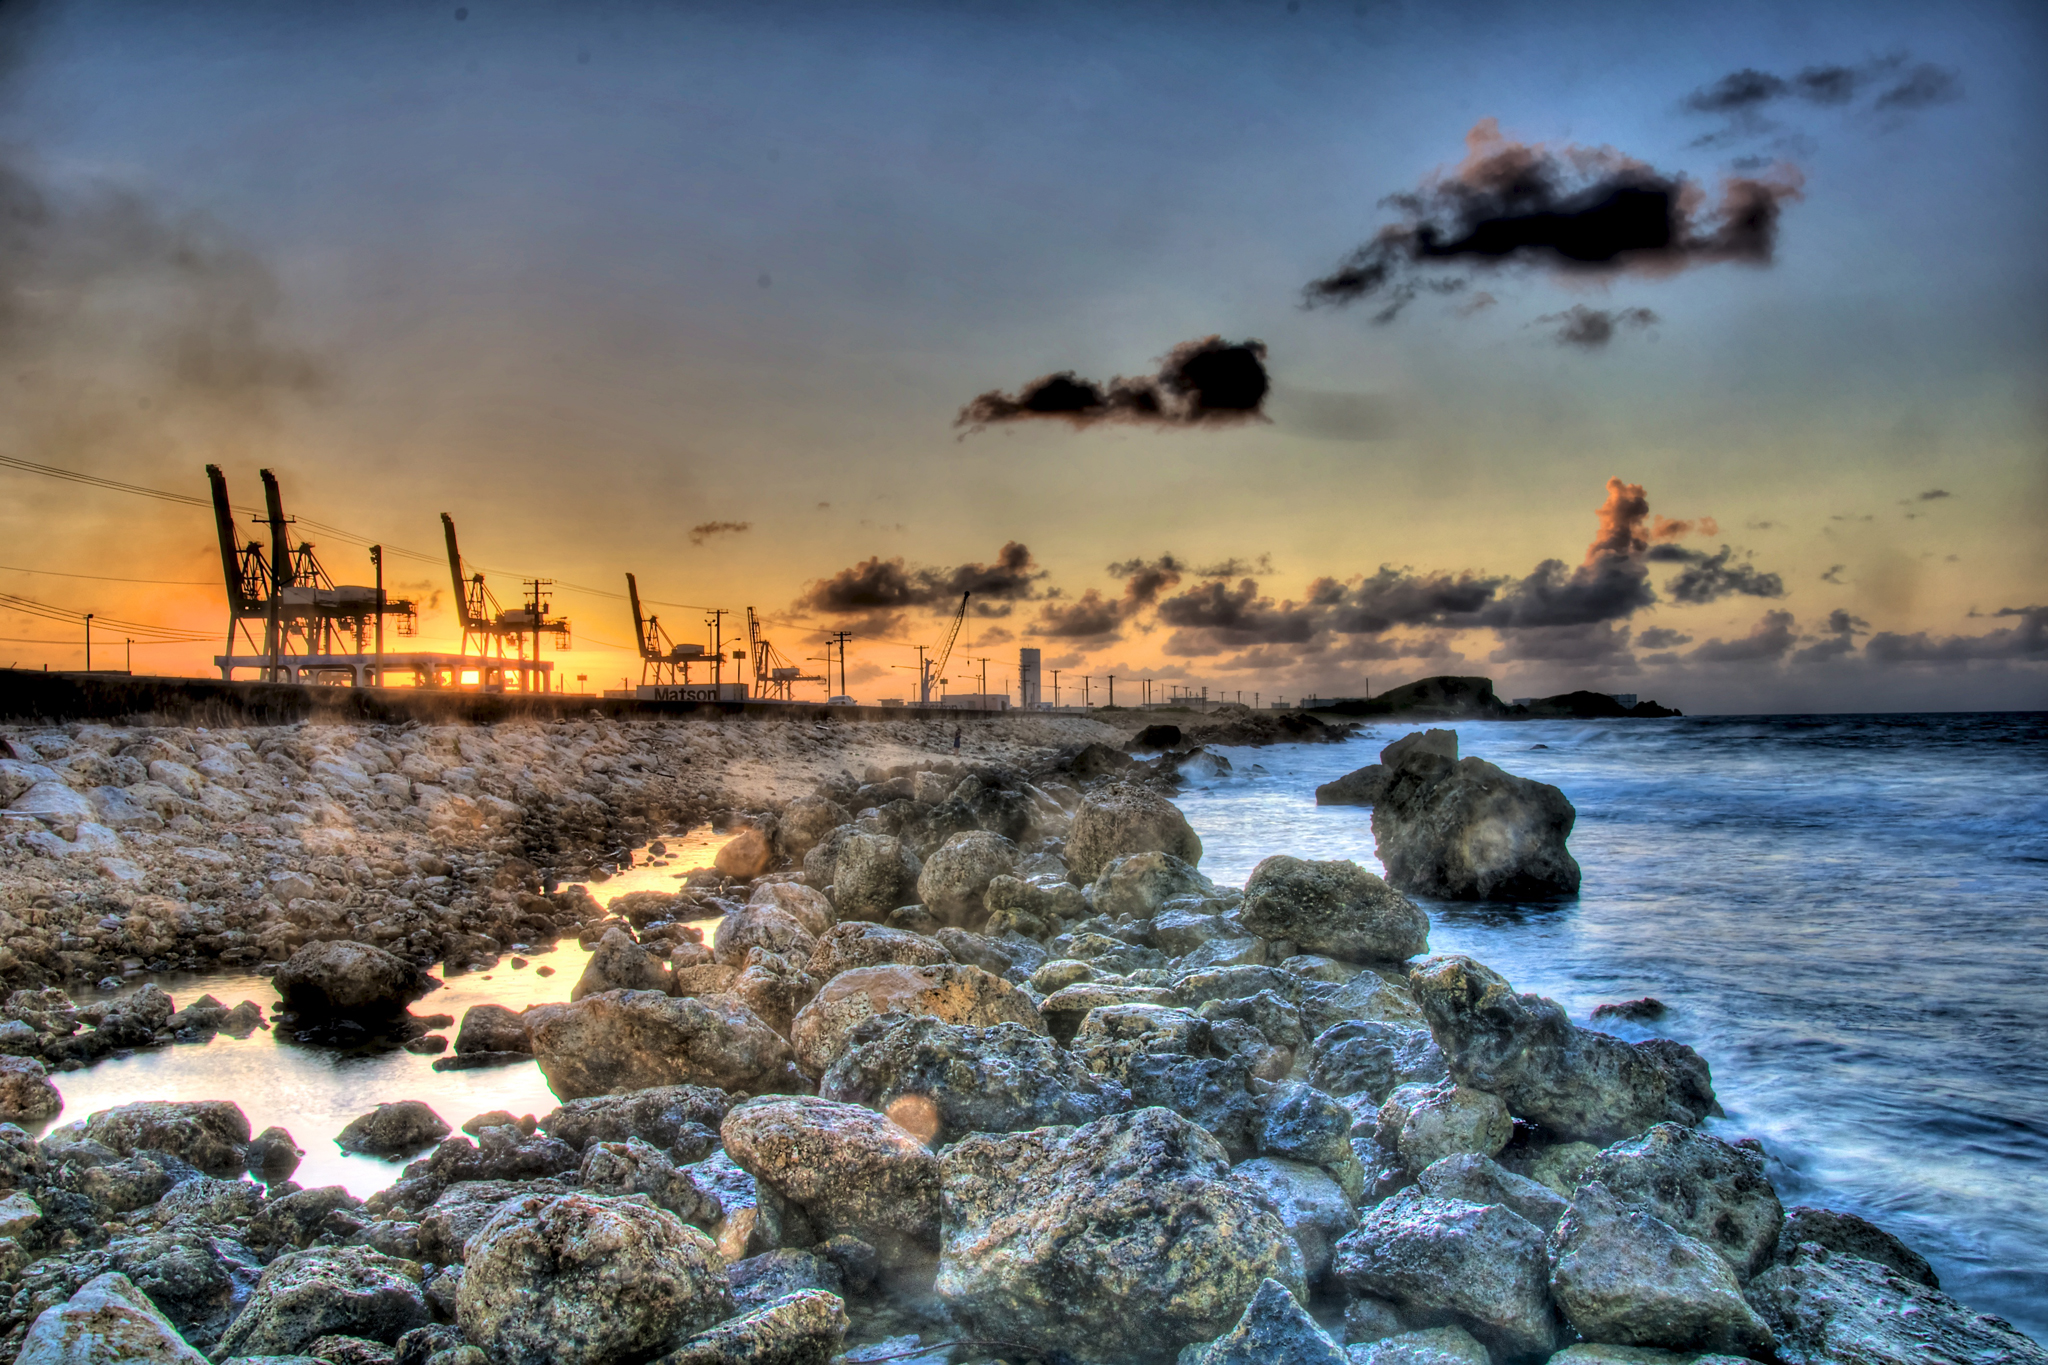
{"type": "Point", "coordinates": [1701, 1186]}
{"type": "Point", "coordinates": [1424, 1124]}
{"type": "Point", "coordinates": [583, 1280]}
{"type": "Point", "coordinates": [1465, 830]}
{"type": "Point", "coordinates": [396, 1129]}
{"type": "Point", "coordinates": [306, 1295]}
{"type": "Point", "coordinates": [1361, 787]}
{"type": "Point", "coordinates": [954, 881]}
{"type": "Point", "coordinates": [810, 907]}
{"type": "Point", "coordinates": [492, 1028]}
{"type": "Point", "coordinates": [807, 820]}
{"type": "Point", "coordinates": [1477, 1179]}
{"type": "Point", "coordinates": [806, 1327]}
{"type": "Point", "coordinates": [1055, 1238]}
{"type": "Point", "coordinates": [26, 1095]}
{"type": "Point", "coordinates": [943, 1081]}
{"type": "Point", "coordinates": [1824, 1307]}
{"type": "Point", "coordinates": [1275, 1330]}
{"type": "Point", "coordinates": [1578, 1083]}
{"type": "Point", "coordinates": [1621, 1275]}
{"type": "Point", "coordinates": [108, 1321]}
{"type": "Point", "coordinates": [620, 964]}
{"type": "Point", "coordinates": [1312, 1207]}
{"type": "Point", "coordinates": [1480, 1266]}
{"type": "Point", "coordinates": [1120, 818]}
{"type": "Point", "coordinates": [630, 1040]}
{"type": "Point", "coordinates": [1373, 1058]}
{"type": "Point", "coordinates": [664, 1116]}
{"type": "Point", "coordinates": [1140, 884]}
{"type": "Point", "coordinates": [954, 992]}
{"type": "Point", "coordinates": [872, 874]}
{"type": "Point", "coordinates": [845, 947]}
{"type": "Point", "coordinates": [211, 1134]}
{"type": "Point", "coordinates": [335, 979]}
{"type": "Point", "coordinates": [1849, 1235]}
{"type": "Point", "coordinates": [1336, 908]}
{"type": "Point", "coordinates": [842, 1169]}
{"type": "Point", "coordinates": [767, 927]}
{"type": "Point", "coordinates": [746, 855]}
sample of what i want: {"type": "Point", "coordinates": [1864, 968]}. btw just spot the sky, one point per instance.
{"type": "Point", "coordinates": [1692, 353]}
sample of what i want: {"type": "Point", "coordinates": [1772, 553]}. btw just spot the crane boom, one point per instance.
{"type": "Point", "coordinates": [639, 622]}
{"type": "Point", "coordinates": [938, 666]}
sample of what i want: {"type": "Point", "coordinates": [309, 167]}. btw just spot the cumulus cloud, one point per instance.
{"type": "Point", "coordinates": [880, 588]}
{"type": "Point", "coordinates": [1768, 641]}
{"type": "Point", "coordinates": [1666, 528]}
{"type": "Point", "coordinates": [704, 530]}
{"type": "Point", "coordinates": [1834, 574]}
{"type": "Point", "coordinates": [1208, 381]}
{"type": "Point", "coordinates": [1836, 639]}
{"type": "Point", "coordinates": [1710, 577]}
{"type": "Point", "coordinates": [1089, 615]}
{"type": "Point", "coordinates": [1584, 211]}
{"type": "Point", "coordinates": [1934, 494]}
{"type": "Point", "coordinates": [1894, 86]}
{"type": "Point", "coordinates": [1662, 637]}
{"type": "Point", "coordinates": [2027, 641]}
{"type": "Point", "coordinates": [1590, 329]}
{"type": "Point", "coordinates": [1601, 644]}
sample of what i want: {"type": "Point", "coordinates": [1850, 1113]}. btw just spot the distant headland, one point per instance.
{"type": "Point", "coordinates": [1455, 698]}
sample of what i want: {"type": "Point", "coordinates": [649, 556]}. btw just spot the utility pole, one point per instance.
{"type": "Point", "coordinates": [715, 619]}
{"type": "Point", "coordinates": [129, 645]}
{"type": "Point", "coordinates": [1055, 689]}
{"type": "Point", "coordinates": [839, 637]}
{"type": "Point", "coordinates": [377, 559]}
{"type": "Point", "coordinates": [88, 642]}
{"type": "Point", "coordinates": [1112, 689]}
{"type": "Point", "coordinates": [1085, 680]}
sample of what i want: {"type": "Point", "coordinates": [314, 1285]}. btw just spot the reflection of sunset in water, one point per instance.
{"type": "Point", "coordinates": [664, 871]}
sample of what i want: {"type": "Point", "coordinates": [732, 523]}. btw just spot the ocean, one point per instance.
{"type": "Point", "coordinates": [1847, 916]}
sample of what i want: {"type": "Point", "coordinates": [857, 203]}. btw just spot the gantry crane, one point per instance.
{"type": "Point", "coordinates": [774, 675]}
{"type": "Point", "coordinates": [661, 658]}
{"type": "Point", "coordinates": [491, 626]}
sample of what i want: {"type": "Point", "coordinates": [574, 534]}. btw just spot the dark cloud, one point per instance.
{"type": "Point", "coordinates": [1925, 85]}
{"type": "Point", "coordinates": [1768, 641]}
{"type": "Point", "coordinates": [1090, 615]}
{"type": "Point", "coordinates": [1837, 638]}
{"type": "Point", "coordinates": [1237, 568]}
{"type": "Point", "coordinates": [1834, 574]}
{"type": "Point", "coordinates": [1668, 528]}
{"type": "Point", "coordinates": [1744, 89]}
{"type": "Point", "coordinates": [1203, 382]}
{"type": "Point", "coordinates": [1710, 577]}
{"type": "Point", "coordinates": [886, 586]}
{"type": "Point", "coordinates": [704, 530]}
{"type": "Point", "coordinates": [2028, 641]}
{"type": "Point", "coordinates": [1662, 637]}
{"type": "Point", "coordinates": [1145, 579]}
{"type": "Point", "coordinates": [1590, 329]}
{"type": "Point", "coordinates": [1600, 643]}
{"type": "Point", "coordinates": [1584, 211]}
{"type": "Point", "coordinates": [1901, 85]}
{"type": "Point", "coordinates": [1933, 494]}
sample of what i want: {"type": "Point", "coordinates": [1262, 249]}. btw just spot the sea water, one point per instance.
{"type": "Point", "coordinates": [1847, 916]}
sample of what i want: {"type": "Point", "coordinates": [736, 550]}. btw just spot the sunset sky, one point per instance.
{"type": "Point", "coordinates": [703, 291]}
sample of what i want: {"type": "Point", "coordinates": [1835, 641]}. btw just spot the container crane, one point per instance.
{"type": "Point", "coordinates": [935, 669]}
{"type": "Point", "coordinates": [491, 626]}
{"type": "Point", "coordinates": [774, 675]}
{"type": "Point", "coordinates": [661, 658]}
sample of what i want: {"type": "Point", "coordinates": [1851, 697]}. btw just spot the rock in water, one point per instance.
{"type": "Point", "coordinates": [746, 855]}
{"type": "Point", "coordinates": [1336, 908]}
{"type": "Point", "coordinates": [393, 1130]}
{"type": "Point", "coordinates": [943, 1081]}
{"type": "Point", "coordinates": [1053, 1238]}
{"type": "Point", "coordinates": [338, 980]}
{"type": "Point", "coordinates": [845, 1169]}
{"type": "Point", "coordinates": [1852, 1236]}
{"type": "Point", "coordinates": [107, 1322]}
{"type": "Point", "coordinates": [1275, 1330]}
{"type": "Point", "coordinates": [1826, 1307]}
{"type": "Point", "coordinates": [306, 1295]}
{"type": "Point", "coordinates": [631, 1040]}
{"type": "Point", "coordinates": [575, 1279]}
{"type": "Point", "coordinates": [1701, 1186]}
{"type": "Point", "coordinates": [1119, 818]}
{"type": "Point", "coordinates": [492, 1028]}
{"type": "Point", "coordinates": [26, 1094]}
{"type": "Point", "coordinates": [950, 991]}
{"type": "Point", "coordinates": [1360, 788]}
{"type": "Point", "coordinates": [1481, 1265]}
{"type": "Point", "coordinates": [211, 1134]}
{"type": "Point", "coordinates": [1464, 830]}
{"type": "Point", "coordinates": [620, 964]}
{"type": "Point", "coordinates": [1577, 1083]}
{"type": "Point", "coordinates": [1624, 1276]}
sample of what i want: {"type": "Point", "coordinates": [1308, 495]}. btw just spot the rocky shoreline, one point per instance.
{"type": "Point", "coordinates": [980, 1067]}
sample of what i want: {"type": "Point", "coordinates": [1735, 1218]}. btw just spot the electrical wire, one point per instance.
{"type": "Point", "coordinates": [103, 578]}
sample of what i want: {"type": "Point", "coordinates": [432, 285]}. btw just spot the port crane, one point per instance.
{"type": "Point", "coordinates": [774, 675]}
{"type": "Point", "coordinates": [661, 659]}
{"type": "Point", "coordinates": [492, 626]}
{"type": "Point", "coordinates": [933, 669]}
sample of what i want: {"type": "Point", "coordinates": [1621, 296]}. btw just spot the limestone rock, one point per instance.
{"type": "Point", "coordinates": [1577, 1083]}
{"type": "Point", "coordinates": [211, 1134]}
{"type": "Point", "coordinates": [26, 1095]}
{"type": "Point", "coordinates": [1701, 1186]}
{"type": "Point", "coordinates": [1336, 908]}
{"type": "Point", "coordinates": [1360, 787]}
{"type": "Point", "coordinates": [1478, 1179]}
{"type": "Point", "coordinates": [1431, 1346]}
{"type": "Point", "coordinates": [272, 1156]}
{"type": "Point", "coordinates": [341, 980]}
{"type": "Point", "coordinates": [1373, 1058]}
{"type": "Point", "coordinates": [1275, 1330]}
{"type": "Point", "coordinates": [1141, 884]}
{"type": "Point", "coordinates": [953, 992]}
{"type": "Point", "coordinates": [768, 927]}
{"type": "Point", "coordinates": [1311, 1206]}
{"type": "Point", "coordinates": [746, 855]}
{"type": "Point", "coordinates": [108, 1321]}
{"type": "Point", "coordinates": [1053, 1237]}
{"type": "Point", "coordinates": [662, 1116]}
{"type": "Point", "coordinates": [306, 1295]}
{"type": "Point", "coordinates": [1302, 1123]}
{"type": "Point", "coordinates": [1849, 1235]}
{"type": "Point", "coordinates": [846, 1169]}
{"type": "Point", "coordinates": [955, 879]}
{"type": "Point", "coordinates": [942, 1081]}
{"type": "Point", "coordinates": [1622, 1275]}
{"type": "Point", "coordinates": [1120, 818]}
{"type": "Point", "coordinates": [1466, 830]}
{"type": "Point", "coordinates": [807, 820]}
{"type": "Point", "coordinates": [807, 1327]}
{"type": "Point", "coordinates": [1826, 1307]}
{"type": "Point", "coordinates": [807, 905]}
{"type": "Point", "coordinates": [1424, 1124]}
{"type": "Point", "coordinates": [637, 1167]}
{"type": "Point", "coordinates": [492, 1028]}
{"type": "Point", "coordinates": [397, 1129]}
{"type": "Point", "coordinates": [872, 874]}
{"type": "Point", "coordinates": [1481, 1265]}
{"type": "Point", "coordinates": [620, 964]}
{"type": "Point", "coordinates": [845, 947]}
{"type": "Point", "coordinates": [630, 1040]}
{"type": "Point", "coordinates": [581, 1280]}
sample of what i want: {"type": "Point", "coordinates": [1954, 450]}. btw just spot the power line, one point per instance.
{"type": "Point", "coordinates": [102, 578]}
